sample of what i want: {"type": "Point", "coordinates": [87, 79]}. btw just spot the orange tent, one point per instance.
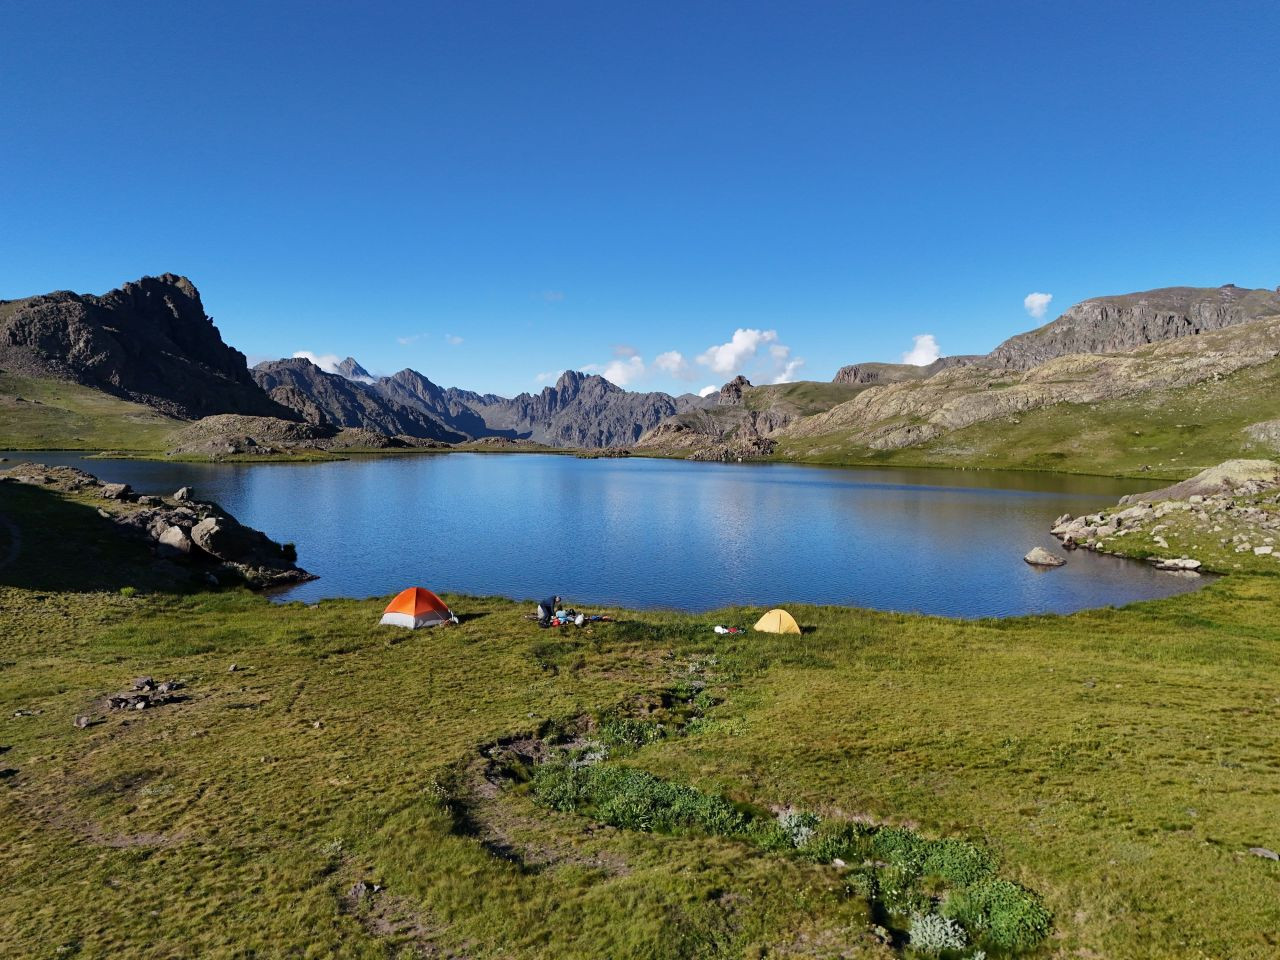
{"type": "Point", "coordinates": [415, 608]}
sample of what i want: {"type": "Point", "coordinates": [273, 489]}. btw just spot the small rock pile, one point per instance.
{"type": "Point", "coordinates": [146, 693]}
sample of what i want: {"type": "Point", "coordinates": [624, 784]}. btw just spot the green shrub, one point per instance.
{"type": "Point", "coordinates": [838, 840]}
{"type": "Point", "coordinates": [618, 731]}
{"type": "Point", "coordinates": [128, 591]}
{"type": "Point", "coordinates": [1004, 913]}
{"type": "Point", "coordinates": [636, 800]}
{"type": "Point", "coordinates": [957, 862]}
{"type": "Point", "coordinates": [901, 848]}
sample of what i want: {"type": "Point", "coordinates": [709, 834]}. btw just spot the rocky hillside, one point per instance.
{"type": "Point", "coordinates": [914, 412]}
{"type": "Point", "coordinates": [876, 374]}
{"type": "Point", "coordinates": [1118, 324]}
{"type": "Point", "coordinates": [149, 342]}
{"type": "Point", "coordinates": [327, 398]}
{"type": "Point", "coordinates": [743, 420]}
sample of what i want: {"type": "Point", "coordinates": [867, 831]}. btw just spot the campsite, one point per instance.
{"type": "Point", "coordinates": [639, 481]}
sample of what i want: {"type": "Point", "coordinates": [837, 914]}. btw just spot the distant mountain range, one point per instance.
{"type": "Point", "coordinates": [151, 342]}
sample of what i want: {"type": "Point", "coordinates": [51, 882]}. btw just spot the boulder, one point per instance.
{"type": "Point", "coordinates": [184, 494]}
{"type": "Point", "coordinates": [116, 491]}
{"type": "Point", "coordinates": [174, 542]}
{"type": "Point", "coordinates": [224, 538]}
{"type": "Point", "coordinates": [1264, 853]}
{"type": "Point", "coordinates": [1177, 563]}
{"type": "Point", "coordinates": [1040, 557]}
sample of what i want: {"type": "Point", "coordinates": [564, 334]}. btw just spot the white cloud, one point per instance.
{"type": "Point", "coordinates": [452, 340]}
{"type": "Point", "coordinates": [405, 341]}
{"type": "Point", "coordinates": [1037, 303]}
{"type": "Point", "coordinates": [545, 379]}
{"type": "Point", "coordinates": [621, 371]}
{"type": "Point", "coordinates": [729, 357]}
{"type": "Point", "coordinates": [924, 350]}
{"type": "Point", "coordinates": [328, 362]}
{"type": "Point", "coordinates": [624, 351]}
{"type": "Point", "coordinates": [708, 391]}
{"type": "Point", "coordinates": [673, 362]}
{"type": "Point", "coordinates": [788, 372]}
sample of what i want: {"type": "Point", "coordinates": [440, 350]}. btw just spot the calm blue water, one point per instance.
{"type": "Point", "coordinates": [658, 533]}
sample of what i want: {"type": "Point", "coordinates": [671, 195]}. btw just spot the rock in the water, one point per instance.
{"type": "Point", "coordinates": [1040, 557]}
{"type": "Point", "coordinates": [116, 491]}
{"type": "Point", "coordinates": [1177, 563]}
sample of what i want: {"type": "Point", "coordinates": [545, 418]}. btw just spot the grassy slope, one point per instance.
{"type": "Point", "coordinates": [59, 415]}
{"type": "Point", "coordinates": [1172, 433]}
{"type": "Point", "coordinates": [1120, 763]}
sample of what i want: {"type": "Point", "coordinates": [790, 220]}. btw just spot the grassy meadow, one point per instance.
{"type": "Point", "coordinates": [46, 414]}
{"type": "Point", "coordinates": [1116, 765]}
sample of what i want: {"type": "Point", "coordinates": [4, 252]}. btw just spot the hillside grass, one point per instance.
{"type": "Point", "coordinates": [45, 414]}
{"type": "Point", "coordinates": [1118, 763]}
{"type": "Point", "coordinates": [1161, 434]}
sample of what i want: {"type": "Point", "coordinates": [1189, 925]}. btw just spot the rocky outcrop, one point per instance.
{"type": "Point", "coordinates": [149, 341]}
{"type": "Point", "coordinates": [1117, 324]}
{"type": "Point", "coordinates": [227, 435]}
{"type": "Point", "coordinates": [327, 398]}
{"type": "Point", "coordinates": [1224, 519]}
{"type": "Point", "coordinates": [732, 392]}
{"type": "Point", "coordinates": [202, 535]}
{"type": "Point", "coordinates": [874, 374]}
{"type": "Point", "coordinates": [913, 412]}
{"type": "Point", "coordinates": [1265, 435]}
{"type": "Point", "coordinates": [1229, 477]}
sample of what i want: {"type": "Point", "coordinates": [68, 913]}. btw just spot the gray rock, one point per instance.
{"type": "Point", "coordinates": [81, 722]}
{"type": "Point", "coordinates": [223, 538]}
{"type": "Point", "coordinates": [174, 542]}
{"type": "Point", "coordinates": [1264, 853]}
{"type": "Point", "coordinates": [116, 491]}
{"type": "Point", "coordinates": [184, 494]}
{"type": "Point", "coordinates": [1040, 557]}
{"type": "Point", "coordinates": [144, 683]}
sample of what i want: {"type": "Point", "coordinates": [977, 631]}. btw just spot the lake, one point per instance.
{"type": "Point", "coordinates": [662, 533]}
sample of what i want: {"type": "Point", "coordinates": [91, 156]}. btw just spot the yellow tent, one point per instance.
{"type": "Point", "coordinates": [777, 621]}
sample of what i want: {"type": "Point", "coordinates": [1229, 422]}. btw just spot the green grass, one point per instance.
{"type": "Point", "coordinates": [60, 415]}
{"type": "Point", "coordinates": [1118, 763]}
{"type": "Point", "coordinates": [1165, 434]}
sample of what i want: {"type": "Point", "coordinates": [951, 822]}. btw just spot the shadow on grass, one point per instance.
{"type": "Point", "coordinates": [55, 543]}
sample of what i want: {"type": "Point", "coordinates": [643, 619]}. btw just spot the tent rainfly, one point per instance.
{"type": "Point", "coordinates": [777, 621]}
{"type": "Point", "coordinates": [417, 607]}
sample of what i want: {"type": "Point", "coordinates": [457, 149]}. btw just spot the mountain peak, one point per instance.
{"type": "Point", "coordinates": [352, 370]}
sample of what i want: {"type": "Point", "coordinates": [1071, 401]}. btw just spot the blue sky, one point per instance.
{"type": "Point", "coordinates": [490, 192]}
